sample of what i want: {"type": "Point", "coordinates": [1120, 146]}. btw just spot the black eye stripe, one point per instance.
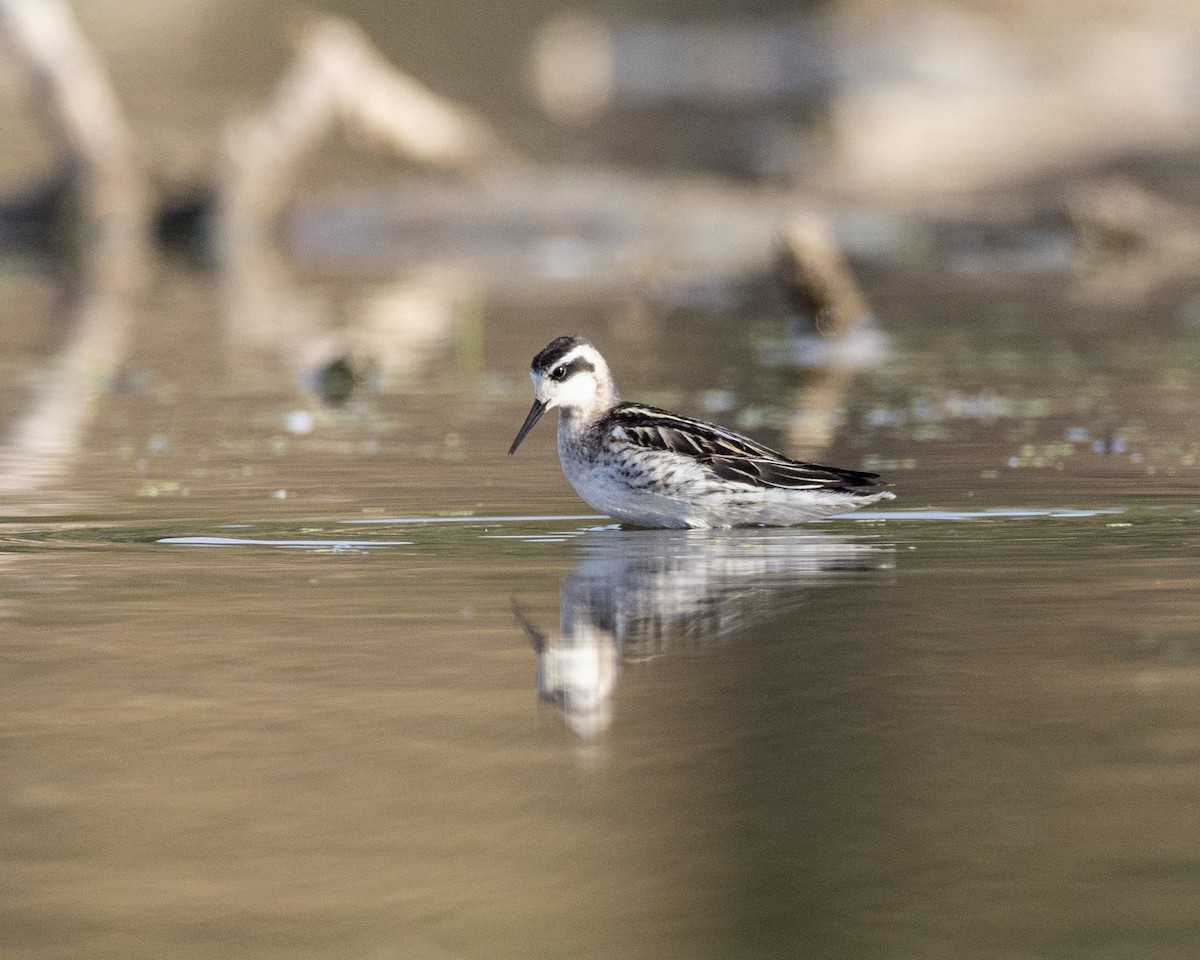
{"type": "Point", "coordinates": [578, 365]}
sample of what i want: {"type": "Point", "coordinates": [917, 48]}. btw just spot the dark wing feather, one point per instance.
{"type": "Point", "coordinates": [730, 455]}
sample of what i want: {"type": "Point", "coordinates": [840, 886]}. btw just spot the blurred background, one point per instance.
{"type": "Point", "coordinates": [668, 85]}
{"type": "Point", "coordinates": [586, 82]}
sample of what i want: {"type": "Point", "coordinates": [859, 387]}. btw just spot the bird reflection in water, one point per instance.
{"type": "Point", "coordinates": [636, 594]}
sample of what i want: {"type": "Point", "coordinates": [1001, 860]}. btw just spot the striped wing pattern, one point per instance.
{"type": "Point", "coordinates": [731, 456]}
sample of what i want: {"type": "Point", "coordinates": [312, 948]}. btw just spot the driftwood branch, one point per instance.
{"type": "Point", "coordinates": [817, 278]}
{"type": "Point", "coordinates": [1128, 240]}
{"type": "Point", "coordinates": [841, 338]}
{"type": "Point", "coordinates": [80, 113]}
{"type": "Point", "coordinates": [1114, 218]}
{"type": "Point", "coordinates": [338, 77]}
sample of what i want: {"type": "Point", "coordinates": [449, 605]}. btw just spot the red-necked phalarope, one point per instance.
{"type": "Point", "coordinates": [651, 468]}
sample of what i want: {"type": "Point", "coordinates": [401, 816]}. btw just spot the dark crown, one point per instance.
{"type": "Point", "coordinates": [555, 350]}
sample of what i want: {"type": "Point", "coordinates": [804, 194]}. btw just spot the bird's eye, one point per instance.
{"type": "Point", "coordinates": [558, 373]}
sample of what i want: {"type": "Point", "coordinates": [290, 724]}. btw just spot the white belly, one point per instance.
{"type": "Point", "coordinates": [688, 496]}
{"type": "Point", "coordinates": [613, 495]}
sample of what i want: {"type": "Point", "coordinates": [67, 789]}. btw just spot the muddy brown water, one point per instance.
{"type": "Point", "coordinates": [282, 679]}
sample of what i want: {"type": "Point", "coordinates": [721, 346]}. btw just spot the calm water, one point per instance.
{"type": "Point", "coordinates": [288, 680]}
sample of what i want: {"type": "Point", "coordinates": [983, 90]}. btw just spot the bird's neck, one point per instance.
{"type": "Point", "coordinates": [580, 418]}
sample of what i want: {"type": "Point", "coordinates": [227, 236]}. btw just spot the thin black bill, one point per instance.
{"type": "Point", "coordinates": [535, 413]}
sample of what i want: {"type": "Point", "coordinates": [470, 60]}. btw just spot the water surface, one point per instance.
{"type": "Point", "coordinates": [290, 679]}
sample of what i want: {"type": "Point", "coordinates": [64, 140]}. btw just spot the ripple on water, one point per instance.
{"type": "Point", "coordinates": [335, 536]}
{"type": "Point", "coordinates": [284, 543]}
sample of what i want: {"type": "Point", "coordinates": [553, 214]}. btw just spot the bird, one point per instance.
{"type": "Point", "coordinates": [648, 467]}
